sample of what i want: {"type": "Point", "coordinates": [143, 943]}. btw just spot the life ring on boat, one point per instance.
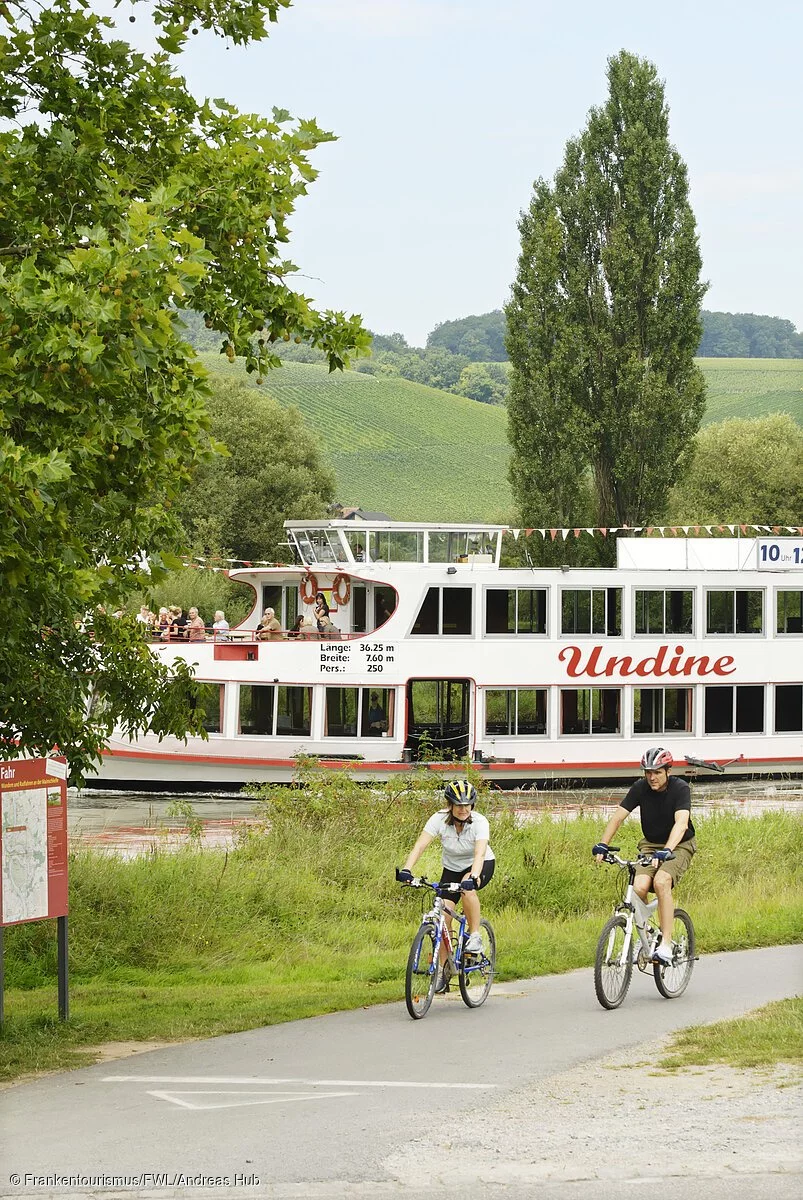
{"type": "Point", "coordinates": [341, 589]}
{"type": "Point", "coordinates": [308, 588]}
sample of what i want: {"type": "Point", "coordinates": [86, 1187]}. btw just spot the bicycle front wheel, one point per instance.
{"type": "Point", "coordinates": [477, 970]}
{"type": "Point", "coordinates": [422, 973]}
{"type": "Point", "coordinates": [613, 968]}
{"type": "Point", "coordinates": [672, 979]}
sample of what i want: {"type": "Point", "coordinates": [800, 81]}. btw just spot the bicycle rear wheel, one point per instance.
{"type": "Point", "coordinates": [612, 971]}
{"type": "Point", "coordinates": [672, 979]}
{"type": "Point", "coordinates": [419, 984]}
{"type": "Point", "coordinates": [477, 970]}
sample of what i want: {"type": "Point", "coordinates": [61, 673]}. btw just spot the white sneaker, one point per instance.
{"type": "Point", "coordinates": [474, 943]}
{"type": "Point", "coordinates": [663, 954]}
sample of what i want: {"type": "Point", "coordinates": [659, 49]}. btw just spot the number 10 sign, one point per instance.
{"type": "Point", "coordinates": [780, 554]}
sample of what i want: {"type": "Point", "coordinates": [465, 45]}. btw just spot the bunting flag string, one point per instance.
{"type": "Point", "coordinates": [739, 529]}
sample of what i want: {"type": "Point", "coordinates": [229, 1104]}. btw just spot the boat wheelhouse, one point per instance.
{"type": "Point", "coordinates": [437, 652]}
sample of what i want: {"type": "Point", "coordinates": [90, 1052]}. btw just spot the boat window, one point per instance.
{"type": "Point", "coordinates": [590, 710]}
{"type": "Point", "coordinates": [340, 718]}
{"type": "Point", "coordinates": [790, 612]}
{"type": "Point", "coordinates": [356, 540]}
{"type": "Point", "coordinates": [267, 710]}
{"type": "Point", "coordinates": [320, 546]}
{"type": "Point", "coordinates": [257, 708]}
{"type": "Point", "coordinates": [663, 612]}
{"type": "Point", "coordinates": [591, 610]}
{"type": "Point", "coordinates": [385, 545]}
{"type": "Point", "coordinates": [739, 611]}
{"type": "Point", "coordinates": [515, 711]}
{"type": "Point", "coordinates": [367, 710]}
{"type": "Point", "coordinates": [789, 708]}
{"type": "Point", "coordinates": [515, 610]}
{"type": "Point", "coordinates": [737, 709]}
{"type": "Point", "coordinates": [662, 710]}
{"type": "Point", "coordinates": [446, 611]}
{"type": "Point", "coordinates": [293, 711]}
{"type": "Point", "coordinates": [210, 702]}
{"type": "Point", "coordinates": [459, 546]}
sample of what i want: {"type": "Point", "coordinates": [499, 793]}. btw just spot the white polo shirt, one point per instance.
{"type": "Point", "coordinates": [458, 848]}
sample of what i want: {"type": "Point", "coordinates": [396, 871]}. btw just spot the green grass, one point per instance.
{"type": "Point", "coordinates": [417, 453]}
{"type": "Point", "coordinates": [421, 454]}
{"type": "Point", "coordinates": [769, 1035]}
{"type": "Point", "coordinates": [304, 917]}
{"type": "Point", "coordinates": [752, 387]}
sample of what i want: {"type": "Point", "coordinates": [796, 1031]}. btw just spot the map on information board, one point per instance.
{"type": "Point", "coordinates": [24, 855]}
{"type": "Point", "coordinates": [33, 840]}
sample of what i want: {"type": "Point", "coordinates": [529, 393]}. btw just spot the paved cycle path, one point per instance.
{"type": "Point", "coordinates": [320, 1107]}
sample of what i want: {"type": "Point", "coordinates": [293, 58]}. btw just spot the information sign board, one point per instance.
{"type": "Point", "coordinates": [33, 840]}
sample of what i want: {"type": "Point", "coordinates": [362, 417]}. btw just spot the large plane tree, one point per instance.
{"type": "Point", "coordinates": [604, 319]}
{"type": "Point", "coordinates": [122, 198]}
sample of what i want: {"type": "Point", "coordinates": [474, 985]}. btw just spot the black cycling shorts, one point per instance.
{"type": "Point", "coordinates": [486, 875]}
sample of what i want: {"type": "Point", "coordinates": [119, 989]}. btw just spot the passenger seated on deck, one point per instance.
{"type": "Point", "coordinates": [220, 627]}
{"type": "Point", "coordinates": [195, 626]}
{"type": "Point", "coordinates": [301, 629]}
{"type": "Point", "coordinates": [269, 629]}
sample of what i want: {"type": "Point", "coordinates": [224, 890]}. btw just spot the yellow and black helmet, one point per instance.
{"type": "Point", "coordinates": [460, 791]}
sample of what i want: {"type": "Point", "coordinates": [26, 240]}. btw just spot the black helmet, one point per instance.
{"type": "Point", "coordinates": [656, 758]}
{"type": "Point", "coordinates": [460, 791]}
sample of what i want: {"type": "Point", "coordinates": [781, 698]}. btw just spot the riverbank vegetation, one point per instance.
{"type": "Point", "coordinates": [303, 916]}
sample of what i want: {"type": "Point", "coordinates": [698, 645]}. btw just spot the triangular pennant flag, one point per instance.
{"type": "Point", "coordinates": [527, 532]}
{"type": "Point", "coordinates": [731, 528]}
{"type": "Point", "coordinates": [515, 533]}
{"type": "Point", "coordinates": [565, 533]}
{"type": "Point", "coordinates": [603, 531]}
{"type": "Point", "coordinates": [776, 529]}
{"type": "Point", "coordinates": [553, 533]}
{"type": "Point", "coordinates": [577, 532]}
{"type": "Point", "coordinates": [708, 528]}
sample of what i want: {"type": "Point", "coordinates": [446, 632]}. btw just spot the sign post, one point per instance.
{"type": "Point", "coordinates": [33, 853]}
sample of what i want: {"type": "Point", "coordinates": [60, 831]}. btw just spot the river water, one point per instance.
{"type": "Point", "coordinates": [132, 823]}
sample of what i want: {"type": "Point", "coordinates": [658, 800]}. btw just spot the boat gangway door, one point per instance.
{"type": "Point", "coordinates": [438, 718]}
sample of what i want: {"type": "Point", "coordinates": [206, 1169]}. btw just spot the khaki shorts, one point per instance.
{"type": "Point", "coordinates": [675, 867]}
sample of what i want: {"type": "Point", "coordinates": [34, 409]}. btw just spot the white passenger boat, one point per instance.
{"type": "Point", "coordinates": [440, 653]}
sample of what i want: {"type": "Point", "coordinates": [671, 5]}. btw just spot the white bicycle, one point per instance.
{"type": "Point", "coordinates": [631, 936]}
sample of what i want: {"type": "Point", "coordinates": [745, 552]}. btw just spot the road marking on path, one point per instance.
{"type": "Point", "coordinates": [241, 1099]}
{"type": "Point", "coordinates": [271, 1082]}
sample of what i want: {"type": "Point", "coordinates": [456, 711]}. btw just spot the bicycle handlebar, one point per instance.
{"type": "Point", "coordinates": [439, 888]}
{"type": "Point", "coordinates": [641, 860]}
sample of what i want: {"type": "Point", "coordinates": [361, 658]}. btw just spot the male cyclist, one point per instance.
{"type": "Point", "coordinates": [664, 802]}
{"type": "Point", "coordinates": [467, 857]}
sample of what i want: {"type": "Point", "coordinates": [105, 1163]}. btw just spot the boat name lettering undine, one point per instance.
{"type": "Point", "coordinates": [592, 663]}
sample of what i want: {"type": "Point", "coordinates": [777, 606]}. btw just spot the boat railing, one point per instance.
{"type": "Point", "coordinates": [226, 637]}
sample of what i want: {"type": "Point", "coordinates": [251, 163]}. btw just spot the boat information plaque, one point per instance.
{"type": "Point", "coordinates": [33, 840]}
{"type": "Point", "coordinates": [780, 554]}
{"type": "Point", "coordinates": [369, 657]}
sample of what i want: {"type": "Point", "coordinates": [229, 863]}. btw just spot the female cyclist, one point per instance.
{"type": "Point", "coordinates": [467, 856]}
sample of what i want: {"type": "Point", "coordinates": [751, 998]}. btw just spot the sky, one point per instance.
{"type": "Point", "coordinates": [446, 111]}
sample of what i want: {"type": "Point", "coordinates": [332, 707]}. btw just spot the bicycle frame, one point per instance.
{"type": "Point", "coordinates": [436, 916]}
{"type": "Point", "coordinates": [638, 915]}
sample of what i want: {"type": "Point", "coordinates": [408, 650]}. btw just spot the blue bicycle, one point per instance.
{"type": "Point", "coordinates": [475, 972]}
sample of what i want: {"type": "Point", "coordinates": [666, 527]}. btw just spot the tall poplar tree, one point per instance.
{"type": "Point", "coordinates": [604, 319]}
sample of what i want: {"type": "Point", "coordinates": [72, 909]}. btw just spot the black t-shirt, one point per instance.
{"type": "Point", "coordinates": [658, 808]}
